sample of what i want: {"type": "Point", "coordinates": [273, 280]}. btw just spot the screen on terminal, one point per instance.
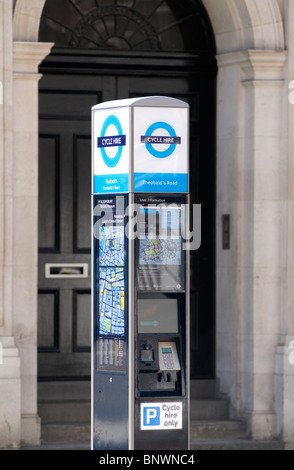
{"type": "Point", "coordinates": [158, 316]}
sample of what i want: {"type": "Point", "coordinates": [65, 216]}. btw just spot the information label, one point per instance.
{"type": "Point", "coordinates": [161, 416]}
{"type": "Point", "coordinates": [160, 257]}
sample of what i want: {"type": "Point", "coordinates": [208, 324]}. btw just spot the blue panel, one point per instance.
{"type": "Point", "coordinates": [161, 182]}
{"type": "Point", "coordinates": [104, 184]}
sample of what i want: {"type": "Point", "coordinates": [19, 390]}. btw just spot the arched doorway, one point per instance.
{"type": "Point", "coordinates": [108, 50]}
{"type": "Point", "coordinates": [238, 26]}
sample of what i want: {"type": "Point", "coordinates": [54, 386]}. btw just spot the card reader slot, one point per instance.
{"type": "Point", "coordinates": [153, 384]}
{"type": "Point", "coordinates": [154, 375]}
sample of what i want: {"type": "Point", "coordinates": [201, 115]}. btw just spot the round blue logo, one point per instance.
{"type": "Point", "coordinates": [111, 141]}
{"type": "Point", "coordinates": [149, 140]}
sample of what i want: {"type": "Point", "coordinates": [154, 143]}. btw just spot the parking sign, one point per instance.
{"type": "Point", "coordinates": [166, 416]}
{"type": "Point", "coordinates": [151, 416]}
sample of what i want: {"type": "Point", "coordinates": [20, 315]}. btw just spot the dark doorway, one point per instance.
{"type": "Point", "coordinates": [105, 51]}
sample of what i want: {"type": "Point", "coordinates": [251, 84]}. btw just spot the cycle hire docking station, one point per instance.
{"type": "Point", "coordinates": [140, 274]}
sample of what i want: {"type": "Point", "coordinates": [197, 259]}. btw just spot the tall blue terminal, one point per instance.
{"type": "Point", "coordinates": [140, 275]}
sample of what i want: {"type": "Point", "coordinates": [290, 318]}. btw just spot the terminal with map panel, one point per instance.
{"type": "Point", "coordinates": [140, 288]}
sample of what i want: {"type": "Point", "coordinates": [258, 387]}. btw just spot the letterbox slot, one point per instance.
{"type": "Point", "coordinates": [69, 270]}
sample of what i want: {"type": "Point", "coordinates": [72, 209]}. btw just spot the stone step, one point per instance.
{"type": "Point", "coordinates": [209, 408]}
{"type": "Point", "coordinates": [235, 444]}
{"type": "Point", "coordinates": [204, 388]}
{"type": "Point", "coordinates": [60, 446]}
{"type": "Point", "coordinates": [66, 433]}
{"type": "Point", "coordinates": [64, 401]}
{"type": "Point", "coordinates": [210, 415]}
{"type": "Point", "coordinates": [69, 412]}
{"type": "Point", "coordinates": [64, 390]}
{"type": "Point", "coordinates": [217, 429]}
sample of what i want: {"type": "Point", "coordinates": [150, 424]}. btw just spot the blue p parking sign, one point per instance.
{"type": "Point", "coordinates": [151, 416]}
{"type": "Point", "coordinates": [161, 416]}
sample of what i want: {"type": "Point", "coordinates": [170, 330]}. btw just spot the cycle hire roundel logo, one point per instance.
{"type": "Point", "coordinates": [105, 141]}
{"type": "Point", "coordinates": [154, 142]}
{"type": "Point", "coordinates": [111, 172]}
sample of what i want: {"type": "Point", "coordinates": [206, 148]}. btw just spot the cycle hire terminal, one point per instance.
{"type": "Point", "coordinates": [140, 282]}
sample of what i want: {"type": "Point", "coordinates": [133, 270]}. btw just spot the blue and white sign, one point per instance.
{"type": "Point", "coordinates": [111, 151]}
{"type": "Point", "coordinates": [165, 416]}
{"type": "Point", "coordinates": [151, 141]}
{"type": "Point", "coordinates": [160, 150]}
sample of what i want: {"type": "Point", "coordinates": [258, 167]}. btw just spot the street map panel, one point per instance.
{"type": "Point", "coordinates": [111, 301]}
{"type": "Point", "coordinates": [111, 251]}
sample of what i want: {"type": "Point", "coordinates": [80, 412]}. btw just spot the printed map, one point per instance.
{"type": "Point", "coordinates": [111, 301]}
{"type": "Point", "coordinates": [160, 251]}
{"type": "Point", "coordinates": [111, 251]}
{"type": "Point", "coordinates": [111, 281]}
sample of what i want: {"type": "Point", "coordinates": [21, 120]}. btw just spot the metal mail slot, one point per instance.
{"type": "Point", "coordinates": [69, 270]}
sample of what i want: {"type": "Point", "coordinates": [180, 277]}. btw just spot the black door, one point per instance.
{"type": "Point", "coordinates": [108, 50]}
{"type": "Point", "coordinates": [64, 204]}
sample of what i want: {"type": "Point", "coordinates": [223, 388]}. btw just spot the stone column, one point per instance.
{"type": "Point", "coordinates": [261, 242]}
{"type": "Point", "coordinates": [284, 383]}
{"type": "Point", "coordinates": [26, 58]}
{"type": "Point", "coordinates": [227, 202]}
{"type": "Point", "coordinates": [9, 360]}
{"type": "Point", "coordinates": [249, 188]}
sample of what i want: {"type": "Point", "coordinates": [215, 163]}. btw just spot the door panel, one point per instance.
{"type": "Point", "coordinates": [64, 228]}
{"type": "Point", "coordinates": [81, 328]}
{"type": "Point", "coordinates": [81, 206]}
{"type": "Point", "coordinates": [48, 193]}
{"type": "Point", "coordinates": [48, 302]}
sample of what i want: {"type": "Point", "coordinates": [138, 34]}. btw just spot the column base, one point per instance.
{"type": "Point", "coordinates": [284, 391]}
{"type": "Point", "coordinates": [30, 430]}
{"type": "Point", "coordinates": [261, 425]}
{"type": "Point", "coordinates": [10, 396]}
